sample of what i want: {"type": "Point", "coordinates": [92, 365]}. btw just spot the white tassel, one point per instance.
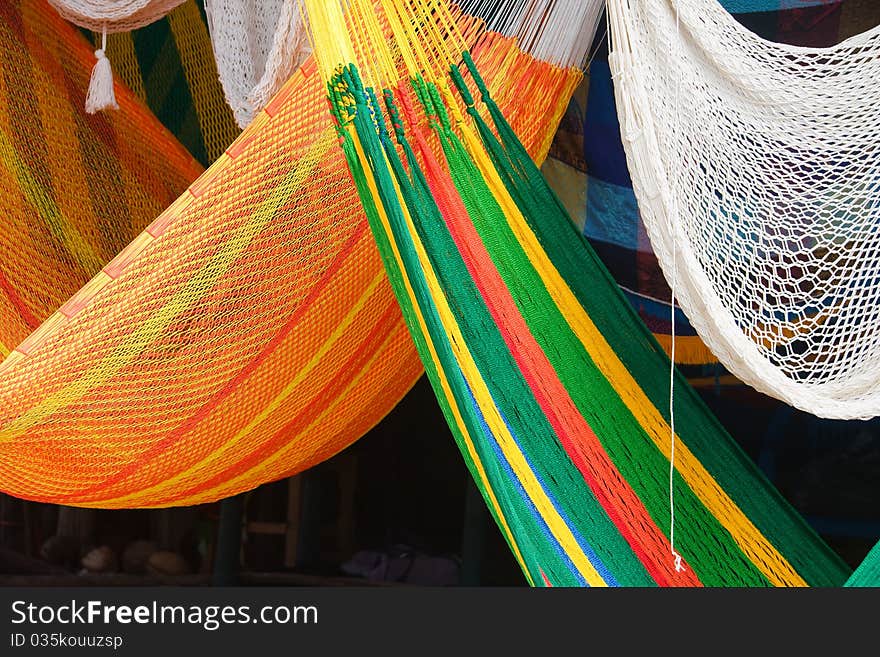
{"type": "Point", "coordinates": [101, 95]}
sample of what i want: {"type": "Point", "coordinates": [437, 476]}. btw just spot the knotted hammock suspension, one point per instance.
{"type": "Point", "coordinates": [562, 35]}
{"type": "Point", "coordinates": [247, 334]}
{"type": "Point", "coordinates": [757, 171]}
{"type": "Point", "coordinates": [555, 391]}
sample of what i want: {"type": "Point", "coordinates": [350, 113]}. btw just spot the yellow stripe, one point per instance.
{"type": "Point", "coordinates": [326, 23]}
{"type": "Point", "coordinates": [253, 474]}
{"type": "Point", "coordinates": [689, 349]}
{"type": "Point", "coordinates": [70, 181]}
{"type": "Point", "coordinates": [197, 59]}
{"type": "Point", "coordinates": [4, 350]}
{"type": "Point", "coordinates": [66, 158]}
{"type": "Point", "coordinates": [445, 386]}
{"type": "Point", "coordinates": [447, 393]}
{"type": "Point", "coordinates": [136, 341]}
{"type": "Point", "coordinates": [558, 527]}
{"type": "Point", "coordinates": [61, 226]}
{"type": "Point", "coordinates": [750, 540]}
{"type": "Point", "coordinates": [58, 121]}
{"type": "Point", "coordinates": [220, 454]}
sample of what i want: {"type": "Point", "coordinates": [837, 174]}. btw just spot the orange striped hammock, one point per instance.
{"type": "Point", "coordinates": [168, 345]}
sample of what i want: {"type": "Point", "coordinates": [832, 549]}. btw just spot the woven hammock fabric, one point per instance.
{"type": "Point", "coordinates": [76, 188]}
{"type": "Point", "coordinates": [757, 173]}
{"type": "Point", "coordinates": [553, 388]}
{"type": "Point", "coordinates": [868, 573]}
{"type": "Point", "coordinates": [248, 333]}
{"type": "Point", "coordinates": [113, 15]}
{"type": "Point", "coordinates": [170, 65]}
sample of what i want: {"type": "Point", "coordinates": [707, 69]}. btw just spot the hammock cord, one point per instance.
{"type": "Point", "coordinates": [675, 554]}
{"type": "Point", "coordinates": [557, 31]}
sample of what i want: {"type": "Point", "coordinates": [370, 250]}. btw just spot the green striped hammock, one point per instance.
{"type": "Point", "coordinates": [556, 392]}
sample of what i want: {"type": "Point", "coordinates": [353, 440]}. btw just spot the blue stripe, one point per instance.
{"type": "Point", "coordinates": [593, 558]}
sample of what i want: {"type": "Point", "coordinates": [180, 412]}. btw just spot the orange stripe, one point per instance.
{"type": "Point", "coordinates": [348, 417]}
{"type": "Point", "coordinates": [231, 385]}
{"type": "Point", "coordinates": [17, 303]}
{"type": "Point", "coordinates": [355, 364]}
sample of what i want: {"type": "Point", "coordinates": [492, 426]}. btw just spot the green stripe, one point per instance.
{"type": "Point", "coordinates": [519, 517]}
{"type": "Point", "coordinates": [508, 387]}
{"type": "Point", "coordinates": [637, 348]}
{"type": "Point", "coordinates": [527, 525]}
{"type": "Point", "coordinates": [445, 356]}
{"type": "Point", "coordinates": [868, 572]}
{"type": "Point", "coordinates": [168, 93]}
{"type": "Point", "coordinates": [635, 455]}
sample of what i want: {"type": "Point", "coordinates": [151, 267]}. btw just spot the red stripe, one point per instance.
{"type": "Point", "coordinates": [358, 360]}
{"type": "Point", "coordinates": [616, 497]}
{"type": "Point", "coordinates": [29, 319]}
{"type": "Point", "coordinates": [235, 382]}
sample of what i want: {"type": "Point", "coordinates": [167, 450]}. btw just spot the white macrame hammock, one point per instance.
{"type": "Point", "coordinates": [113, 15]}
{"type": "Point", "coordinates": [756, 166]}
{"type": "Point", "coordinates": [257, 46]}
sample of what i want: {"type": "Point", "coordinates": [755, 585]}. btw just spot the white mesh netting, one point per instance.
{"type": "Point", "coordinates": [257, 46]}
{"type": "Point", "coordinates": [756, 166]}
{"type": "Point", "coordinates": [113, 15]}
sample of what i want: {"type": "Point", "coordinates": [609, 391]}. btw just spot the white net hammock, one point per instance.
{"type": "Point", "coordinates": [756, 166]}
{"type": "Point", "coordinates": [257, 46]}
{"type": "Point", "coordinates": [113, 15]}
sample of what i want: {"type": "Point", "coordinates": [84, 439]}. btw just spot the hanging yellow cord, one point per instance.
{"type": "Point", "coordinates": [326, 22]}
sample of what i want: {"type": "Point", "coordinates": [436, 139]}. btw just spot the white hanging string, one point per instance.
{"type": "Point", "coordinates": [676, 556]}
{"type": "Point", "coordinates": [672, 437]}
{"type": "Point", "coordinates": [597, 48]}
